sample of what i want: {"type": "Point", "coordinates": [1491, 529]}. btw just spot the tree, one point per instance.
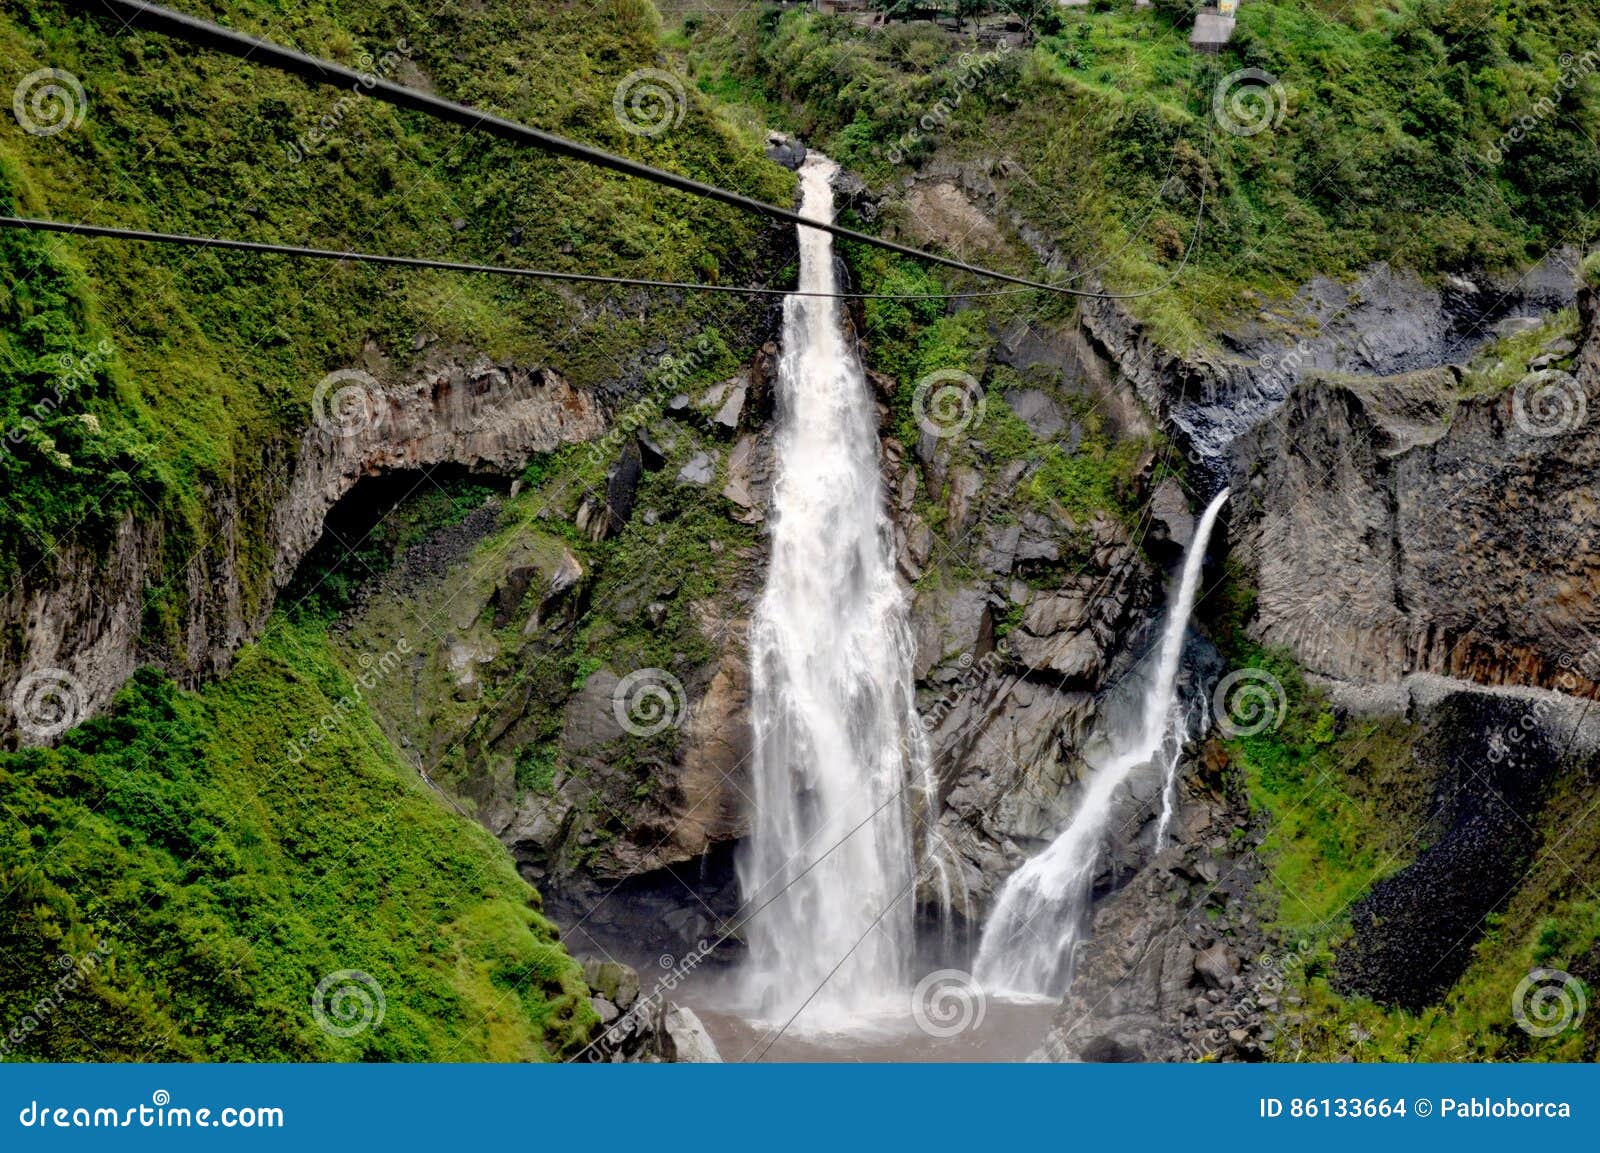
{"type": "Point", "coordinates": [1037, 16]}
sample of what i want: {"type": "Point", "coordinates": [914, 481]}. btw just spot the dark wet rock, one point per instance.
{"type": "Point", "coordinates": [508, 595]}
{"type": "Point", "coordinates": [603, 515]}
{"type": "Point", "coordinates": [1414, 933]}
{"type": "Point", "coordinates": [651, 454]}
{"type": "Point", "coordinates": [785, 150]}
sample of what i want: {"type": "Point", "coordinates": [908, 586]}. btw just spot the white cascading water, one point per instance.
{"type": "Point", "coordinates": [836, 736]}
{"type": "Point", "coordinates": [1029, 941]}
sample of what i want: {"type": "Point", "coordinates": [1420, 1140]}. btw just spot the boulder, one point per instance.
{"type": "Point", "coordinates": [1038, 411]}
{"type": "Point", "coordinates": [687, 1038]}
{"type": "Point", "coordinates": [1217, 966]}
{"type": "Point", "coordinates": [726, 418]}
{"type": "Point", "coordinates": [740, 480]}
{"type": "Point", "coordinates": [785, 150]}
{"type": "Point", "coordinates": [612, 980]}
{"type": "Point", "coordinates": [700, 470]}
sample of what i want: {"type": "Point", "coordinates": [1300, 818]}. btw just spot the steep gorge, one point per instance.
{"type": "Point", "coordinates": [1391, 517]}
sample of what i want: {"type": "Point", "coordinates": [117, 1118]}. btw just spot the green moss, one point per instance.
{"type": "Point", "coordinates": [226, 865]}
{"type": "Point", "coordinates": [214, 356]}
{"type": "Point", "coordinates": [536, 768]}
{"type": "Point", "coordinates": [1502, 363]}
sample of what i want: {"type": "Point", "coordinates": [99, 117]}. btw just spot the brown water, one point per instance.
{"type": "Point", "coordinates": [1004, 1031]}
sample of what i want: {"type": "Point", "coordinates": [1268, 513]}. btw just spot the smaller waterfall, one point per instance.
{"type": "Point", "coordinates": [1029, 941]}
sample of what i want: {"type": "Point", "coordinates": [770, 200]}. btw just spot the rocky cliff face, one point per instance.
{"type": "Point", "coordinates": [1401, 524]}
{"type": "Point", "coordinates": [80, 622]}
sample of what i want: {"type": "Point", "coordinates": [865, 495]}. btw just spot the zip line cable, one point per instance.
{"type": "Point", "coordinates": [203, 33]}
{"type": "Point", "coordinates": [69, 228]}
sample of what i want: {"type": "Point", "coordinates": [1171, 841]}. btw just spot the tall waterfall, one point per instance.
{"type": "Point", "coordinates": [836, 735]}
{"type": "Point", "coordinates": [1030, 938]}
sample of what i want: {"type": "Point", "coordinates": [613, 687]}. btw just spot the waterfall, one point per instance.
{"type": "Point", "coordinates": [837, 743]}
{"type": "Point", "coordinates": [1030, 938]}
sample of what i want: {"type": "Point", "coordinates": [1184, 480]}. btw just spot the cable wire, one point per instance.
{"type": "Point", "coordinates": [165, 22]}
{"type": "Point", "coordinates": [71, 228]}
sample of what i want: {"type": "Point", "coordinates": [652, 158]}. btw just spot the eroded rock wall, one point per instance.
{"type": "Point", "coordinates": [82, 616]}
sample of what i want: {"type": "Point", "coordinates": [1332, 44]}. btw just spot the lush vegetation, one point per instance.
{"type": "Point", "coordinates": [1388, 131]}
{"type": "Point", "coordinates": [211, 357]}
{"type": "Point", "coordinates": [224, 870]}
{"type": "Point", "coordinates": [214, 877]}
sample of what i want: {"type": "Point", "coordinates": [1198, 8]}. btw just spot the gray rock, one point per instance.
{"type": "Point", "coordinates": [785, 150]}
{"type": "Point", "coordinates": [687, 1036]}
{"type": "Point", "coordinates": [741, 480]}
{"type": "Point", "coordinates": [1038, 411]}
{"type": "Point", "coordinates": [701, 469]}
{"type": "Point", "coordinates": [999, 551]}
{"type": "Point", "coordinates": [1217, 966]}
{"type": "Point", "coordinates": [612, 980]}
{"type": "Point", "coordinates": [965, 484]}
{"type": "Point", "coordinates": [727, 416]}
{"type": "Point", "coordinates": [1170, 514]}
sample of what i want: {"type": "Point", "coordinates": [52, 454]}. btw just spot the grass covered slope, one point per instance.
{"type": "Point", "coordinates": [1439, 135]}
{"type": "Point", "coordinates": [211, 357]}
{"type": "Point", "coordinates": [201, 882]}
